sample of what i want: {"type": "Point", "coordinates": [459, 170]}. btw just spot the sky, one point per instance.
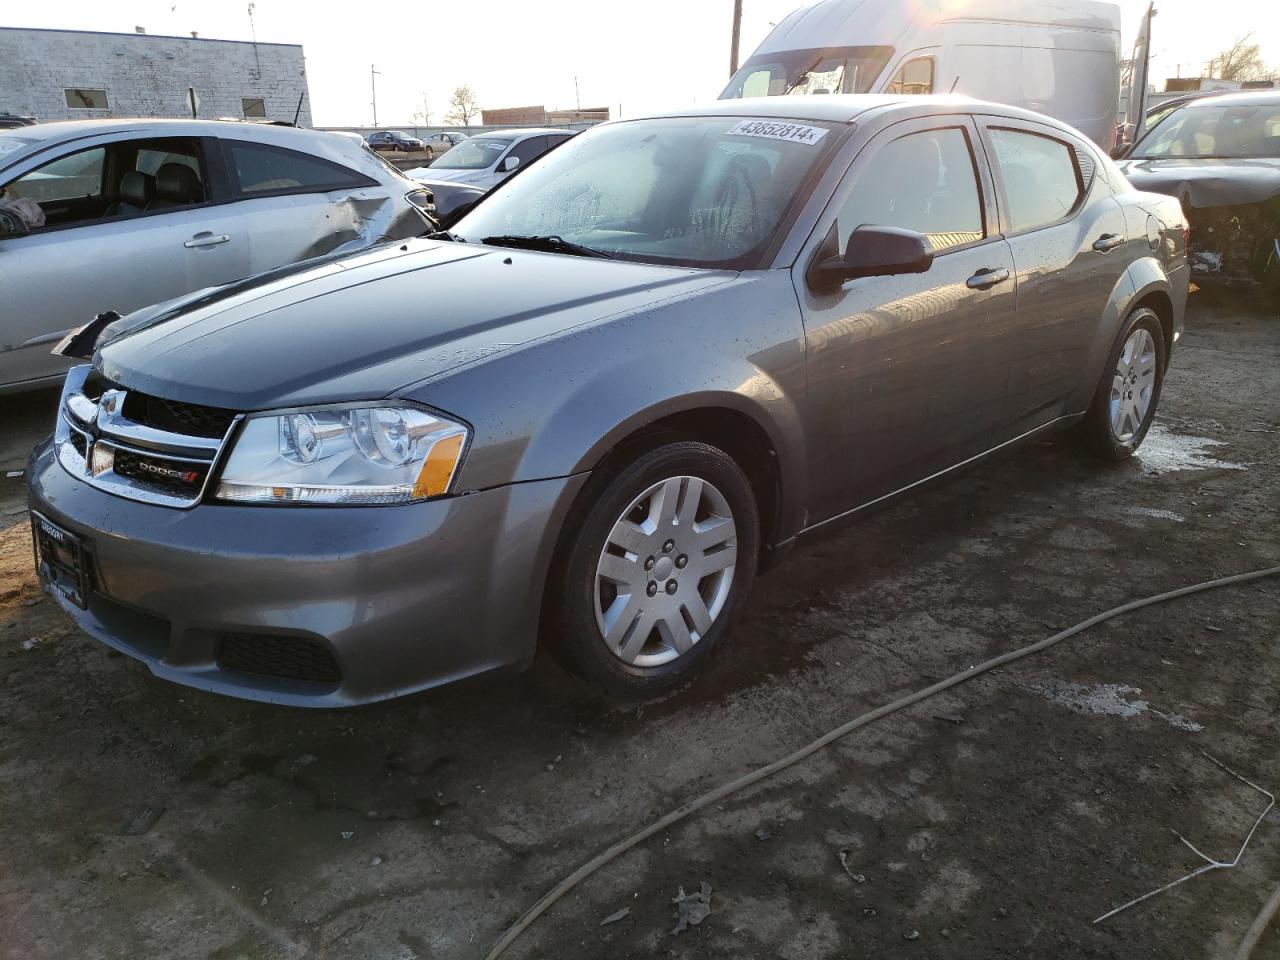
{"type": "Point", "coordinates": [631, 57]}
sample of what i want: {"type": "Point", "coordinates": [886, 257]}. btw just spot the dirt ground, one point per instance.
{"type": "Point", "coordinates": [995, 821]}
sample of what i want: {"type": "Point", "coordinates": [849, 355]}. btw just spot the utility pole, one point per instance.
{"type": "Point", "coordinates": [577, 97]}
{"type": "Point", "coordinates": [737, 30]}
{"type": "Point", "coordinates": [373, 85]}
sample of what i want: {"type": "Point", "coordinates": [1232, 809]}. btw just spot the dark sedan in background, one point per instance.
{"type": "Point", "coordinates": [394, 140]}
{"type": "Point", "coordinates": [1220, 156]}
{"type": "Point", "coordinates": [624, 382]}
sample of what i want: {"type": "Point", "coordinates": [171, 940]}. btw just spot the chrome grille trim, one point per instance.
{"type": "Point", "coordinates": [109, 429]}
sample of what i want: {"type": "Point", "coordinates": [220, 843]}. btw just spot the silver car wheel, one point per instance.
{"type": "Point", "coordinates": [1133, 385]}
{"type": "Point", "coordinates": [665, 572]}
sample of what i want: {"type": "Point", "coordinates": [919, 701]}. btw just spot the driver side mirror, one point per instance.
{"type": "Point", "coordinates": [1119, 151]}
{"type": "Point", "coordinates": [873, 252]}
{"type": "Point", "coordinates": [509, 164]}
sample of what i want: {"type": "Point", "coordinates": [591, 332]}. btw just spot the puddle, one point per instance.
{"type": "Point", "coordinates": [1107, 699]}
{"type": "Point", "coordinates": [1164, 452]}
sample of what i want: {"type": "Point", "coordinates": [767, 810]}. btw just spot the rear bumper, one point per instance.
{"type": "Point", "coordinates": [403, 598]}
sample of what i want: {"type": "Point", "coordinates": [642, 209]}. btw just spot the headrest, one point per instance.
{"type": "Point", "coordinates": [137, 188]}
{"type": "Point", "coordinates": [177, 182]}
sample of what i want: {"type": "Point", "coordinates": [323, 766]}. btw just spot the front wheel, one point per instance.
{"type": "Point", "coordinates": [655, 571]}
{"type": "Point", "coordinates": [1124, 404]}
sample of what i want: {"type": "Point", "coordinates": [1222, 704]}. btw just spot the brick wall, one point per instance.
{"type": "Point", "coordinates": [146, 75]}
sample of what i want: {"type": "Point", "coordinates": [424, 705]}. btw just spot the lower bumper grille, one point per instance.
{"type": "Point", "coordinates": [292, 658]}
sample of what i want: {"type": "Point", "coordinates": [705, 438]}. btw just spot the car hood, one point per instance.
{"type": "Point", "coordinates": [450, 176]}
{"type": "Point", "coordinates": [368, 325]}
{"type": "Point", "coordinates": [1207, 183]}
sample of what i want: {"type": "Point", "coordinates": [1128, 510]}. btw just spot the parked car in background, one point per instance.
{"type": "Point", "coordinates": [487, 159]}
{"type": "Point", "coordinates": [632, 376]}
{"type": "Point", "coordinates": [394, 140]}
{"type": "Point", "coordinates": [1220, 156]}
{"type": "Point", "coordinates": [1057, 57]}
{"type": "Point", "coordinates": [442, 143]}
{"type": "Point", "coordinates": [9, 121]}
{"type": "Point", "coordinates": [139, 211]}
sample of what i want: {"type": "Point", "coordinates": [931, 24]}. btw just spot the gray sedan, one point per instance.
{"type": "Point", "coordinates": [626, 381]}
{"type": "Point", "coordinates": [120, 214]}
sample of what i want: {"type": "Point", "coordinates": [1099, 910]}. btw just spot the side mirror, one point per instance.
{"type": "Point", "coordinates": [452, 215]}
{"type": "Point", "coordinates": [1119, 151]}
{"type": "Point", "coordinates": [509, 164]}
{"type": "Point", "coordinates": [874, 252]}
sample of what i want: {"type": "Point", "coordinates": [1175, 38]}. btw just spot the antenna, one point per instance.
{"type": "Point", "coordinates": [253, 32]}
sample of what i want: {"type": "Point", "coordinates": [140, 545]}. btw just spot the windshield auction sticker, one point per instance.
{"type": "Point", "coordinates": [773, 130]}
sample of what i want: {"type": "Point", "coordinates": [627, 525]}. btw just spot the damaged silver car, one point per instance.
{"type": "Point", "coordinates": [127, 213]}
{"type": "Point", "coordinates": [1220, 156]}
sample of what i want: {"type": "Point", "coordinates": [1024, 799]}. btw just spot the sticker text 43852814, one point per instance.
{"type": "Point", "coordinates": [779, 130]}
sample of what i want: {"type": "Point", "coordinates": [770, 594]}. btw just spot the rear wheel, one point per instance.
{"type": "Point", "coordinates": [655, 572]}
{"type": "Point", "coordinates": [1125, 402]}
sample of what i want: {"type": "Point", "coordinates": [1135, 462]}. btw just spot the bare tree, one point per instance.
{"type": "Point", "coordinates": [1240, 61]}
{"type": "Point", "coordinates": [422, 117]}
{"type": "Point", "coordinates": [463, 107]}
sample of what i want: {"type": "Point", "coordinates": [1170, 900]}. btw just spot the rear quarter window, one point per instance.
{"type": "Point", "coordinates": [1042, 182]}
{"type": "Point", "coordinates": [260, 169]}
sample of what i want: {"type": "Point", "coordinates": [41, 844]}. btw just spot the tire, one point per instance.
{"type": "Point", "coordinates": [1118, 419]}
{"type": "Point", "coordinates": [638, 623]}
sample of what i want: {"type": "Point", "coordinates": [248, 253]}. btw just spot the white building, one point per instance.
{"type": "Point", "coordinates": [71, 74]}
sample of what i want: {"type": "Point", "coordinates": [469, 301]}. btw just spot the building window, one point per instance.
{"type": "Point", "coordinates": [253, 106]}
{"type": "Point", "coordinates": [85, 98]}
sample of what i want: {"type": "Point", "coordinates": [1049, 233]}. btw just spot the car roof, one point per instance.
{"type": "Point", "coordinates": [44, 136]}
{"type": "Point", "coordinates": [1236, 99]}
{"type": "Point", "coordinates": [848, 107]}
{"type": "Point", "coordinates": [520, 132]}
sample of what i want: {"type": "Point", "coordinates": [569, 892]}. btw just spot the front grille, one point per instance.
{"type": "Point", "coordinates": [268, 655]}
{"type": "Point", "coordinates": [80, 443]}
{"type": "Point", "coordinates": [172, 476]}
{"type": "Point", "coordinates": [177, 417]}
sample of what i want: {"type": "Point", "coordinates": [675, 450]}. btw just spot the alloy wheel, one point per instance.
{"type": "Point", "coordinates": [1133, 385]}
{"type": "Point", "coordinates": [666, 571]}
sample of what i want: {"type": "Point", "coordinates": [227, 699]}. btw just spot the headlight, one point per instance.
{"type": "Point", "coordinates": [357, 454]}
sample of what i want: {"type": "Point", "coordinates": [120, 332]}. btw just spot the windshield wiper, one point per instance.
{"type": "Point", "coordinates": [548, 244]}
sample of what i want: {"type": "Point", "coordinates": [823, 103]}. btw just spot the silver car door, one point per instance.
{"type": "Point", "coordinates": [104, 256]}
{"type": "Point", "coordinates": [298, 206]}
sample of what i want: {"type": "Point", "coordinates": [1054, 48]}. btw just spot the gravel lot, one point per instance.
{"type": "Point", "coordinates": [995, 821]}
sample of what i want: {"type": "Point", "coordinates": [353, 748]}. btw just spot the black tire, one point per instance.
{"type": "Point", "coordinates": [570, 627]}
{"type": "Point", "coordinates": [1095, 430]}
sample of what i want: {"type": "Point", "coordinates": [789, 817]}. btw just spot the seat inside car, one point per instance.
{"type": "Point", "coordinates": [137, 191]}
{"type": "Point", "coordinates": [177, 185]}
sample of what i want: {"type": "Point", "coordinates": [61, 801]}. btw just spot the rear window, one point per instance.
{"type": "Point", "coordinates": [1041, 182]}
{"type": "Point", "coordinates": [261, 169]}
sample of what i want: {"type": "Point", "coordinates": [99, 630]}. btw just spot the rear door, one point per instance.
{"type": "Point", "coordinates": [298, 206]}
{"type": "Point", "coordinates": [1068, 237]}
{"type": "Point", "coordinates": [907, 374]}
{"type": "Point", "coordinates": [96, 253]}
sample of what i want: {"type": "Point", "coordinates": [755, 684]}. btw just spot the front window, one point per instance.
{"type": "Point", "coordinates": [833, 70]}
{"type": "Point", "coordinates": [707, 192]}
{"type": "Point", "coordinates": [474, 154]}
{"type": "Point", "coordinates": [1208, 131]}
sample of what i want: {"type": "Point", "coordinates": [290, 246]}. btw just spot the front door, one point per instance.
{"type": "Point", "coordinates": [907, 373]}
{"type": "Point", "coordinates": [108, 246]}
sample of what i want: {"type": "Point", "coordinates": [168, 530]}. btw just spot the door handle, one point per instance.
{"type": "Point", "coordinates": [987, 277]}
{"type": "Point", "coordinates": [206, 240]}
{"type": "Point", "coordinates": [1108, 241]}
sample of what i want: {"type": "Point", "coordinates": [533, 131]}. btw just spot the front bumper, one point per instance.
{"type": "Point", "coordinates": [403, 598]}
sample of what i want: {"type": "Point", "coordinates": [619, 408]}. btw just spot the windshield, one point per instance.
{"type": "Point", "coordinates": [696, 191]}
{"type": "Point", "coordinates": [11, 143]}
{"type": "Point", "coordinates": [833, 70]}
{"type": "Point", "coordinates": [1205, 131]}
{"type": "Point", "coordinates": [474, 154]}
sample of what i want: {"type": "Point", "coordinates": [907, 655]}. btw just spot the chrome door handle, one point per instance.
{"type": "Point", "coordinates": [1108, 241]}
{"type": "Point", "coordinates": [206, 240]}
{"type": "Point", "coordinates": [987, 277]}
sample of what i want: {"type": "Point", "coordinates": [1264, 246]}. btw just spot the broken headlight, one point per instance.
{"type": "Point", "coordinates": [344, 455]}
